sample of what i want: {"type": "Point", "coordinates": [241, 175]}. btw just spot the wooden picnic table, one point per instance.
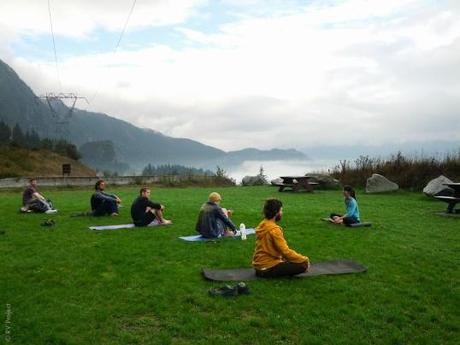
{"type": "Point", "coordinates": [296, 183]}
{"type": "Point", "coordinates": [451, 200]}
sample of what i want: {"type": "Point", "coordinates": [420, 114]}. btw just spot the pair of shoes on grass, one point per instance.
{"type": "Point", "coordinates": [48, 222]}
{"type": "Point", "coordinates": [227, 290]}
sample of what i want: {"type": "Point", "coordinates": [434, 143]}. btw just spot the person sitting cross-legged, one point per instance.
{"type": "Point", "coordinates": [144, 211]}
{"type": "Point", "coordinates": [33, 201]}
{"type": "Point", "coordinates": [213, 220]}
{"type": "Point", "coordinates": [103, 203]}
{"type": "Point", "coordinates": [352, 211]}
{"type": "Point", "coordinates": [272, 256]}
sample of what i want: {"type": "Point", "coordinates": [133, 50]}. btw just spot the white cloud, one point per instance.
{"type": "Point", "coordinates": [78, 18]}
{"type": "Point", "coordinates": [359, 72]}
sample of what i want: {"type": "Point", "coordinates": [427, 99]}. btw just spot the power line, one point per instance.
{"type": "Point", "coordinates": [54, 45]}
{"type": "Point", "coordinates": [126, 25]}
{"type": "Point", "coordinates": [119, 40]}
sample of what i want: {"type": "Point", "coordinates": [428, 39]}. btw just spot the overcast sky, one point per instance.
{"type": "Point", "coordinates": [250, 73]}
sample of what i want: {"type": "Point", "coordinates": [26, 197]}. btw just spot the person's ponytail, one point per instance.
{"type": "Point", "coordinates": [350, 190]}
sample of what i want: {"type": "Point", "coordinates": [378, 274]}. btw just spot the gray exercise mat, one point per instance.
{"type": "Point", "coordinates": [316, 269]}
{"type": "Point", "coordinates": [452, 215]}
{"type": "Point", "coordinates": [359, 225]}
{"type": "Point", "coordinates": [196, 238]}
{"type": "Point", "coordinates": [355, 225]}
{"type": "Point", "coordinates": [123, 226]}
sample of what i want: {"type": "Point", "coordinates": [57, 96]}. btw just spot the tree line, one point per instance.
{"type": "Point", "coordinates": [31, 140]}
{"type": "Point", "coordinates": [174, 170]}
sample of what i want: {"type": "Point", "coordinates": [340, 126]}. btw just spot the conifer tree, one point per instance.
{"type": "Point", "coordinates": [18, 137]}
{"type": "Point", "coordinates": [5, 133]}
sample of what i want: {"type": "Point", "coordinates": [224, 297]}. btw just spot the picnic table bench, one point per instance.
{"type": "Point", "coordinates": [451, 200]}
{"type": "Point", "coordinates": [296, 183]}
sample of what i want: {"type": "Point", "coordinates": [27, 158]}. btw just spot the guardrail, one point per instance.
{"type": "Point", "coordinates": [65, 181]}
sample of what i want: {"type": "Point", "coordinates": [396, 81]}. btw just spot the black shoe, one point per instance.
{"type": "Point", "coordinates": [226, 291]}
{"type": "Point", "coordinates": [242, 288]}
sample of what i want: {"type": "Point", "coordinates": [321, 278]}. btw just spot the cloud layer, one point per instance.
{"type": "Point", "coordinates": [358, 72]}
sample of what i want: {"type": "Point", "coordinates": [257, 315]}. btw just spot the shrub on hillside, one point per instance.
{"type": "Point", "coordinates": [222, 179]}
{"type": "Point", "coordinates": [411, 173]}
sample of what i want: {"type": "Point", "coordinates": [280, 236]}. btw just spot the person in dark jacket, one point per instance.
{"type": "Point", "coordinates": [144, 211]}
{"type": "Point", "coordinates": [103, 203]}
{"type": "Point", "coordinates": [33, 201]}
{"type": "Point", "coordinates": [213, 221]}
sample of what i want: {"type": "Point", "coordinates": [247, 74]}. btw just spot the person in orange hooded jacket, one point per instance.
{"type": "Point", "coordinates": [272, 255]}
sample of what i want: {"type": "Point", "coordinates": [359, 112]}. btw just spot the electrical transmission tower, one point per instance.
{"type": "Point", "coordinates": [61, 118]}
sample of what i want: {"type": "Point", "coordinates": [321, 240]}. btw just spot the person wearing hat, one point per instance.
{"type": "Point", "coordinates": [213, 220]}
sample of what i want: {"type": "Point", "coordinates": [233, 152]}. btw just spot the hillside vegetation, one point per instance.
{"type": "Point", "coordinates": [17, 161]}
{"type": "Point", "coordinates": [411, 173]}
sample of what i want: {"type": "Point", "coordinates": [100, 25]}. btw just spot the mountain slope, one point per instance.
{"type": "Point", "coordinates": [133, 145]}
{"type": "Point", "coordinates": [136, 145]}
{"type": "Point", "coordinates": [17, 161]}
{"type": "Point", "coordinates": [18, 103]}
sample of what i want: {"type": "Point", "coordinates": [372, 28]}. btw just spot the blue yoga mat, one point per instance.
{"type": "Point", "coordinates": [195, 238]}
{"type": "Point", "coordinates": [121, 226]}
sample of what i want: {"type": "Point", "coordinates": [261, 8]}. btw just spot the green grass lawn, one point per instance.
{"type": "Point", "coordinates": [69, 285]}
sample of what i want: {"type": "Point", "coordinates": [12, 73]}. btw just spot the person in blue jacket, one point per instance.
{"type": "Point", "coordinates": [213, 220]}
{"type": "Point", "coordinates": [103, 203]}
{"type": "Point", "coordinates": [352, 211]}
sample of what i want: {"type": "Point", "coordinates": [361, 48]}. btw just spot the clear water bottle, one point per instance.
{"type": "Point", "coordinates": [243, 231]}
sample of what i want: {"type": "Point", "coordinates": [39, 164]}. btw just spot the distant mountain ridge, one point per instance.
{"type": "Point", "coordinates": [133, 145]}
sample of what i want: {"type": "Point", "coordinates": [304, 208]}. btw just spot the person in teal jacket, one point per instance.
{"type": "Point", "coordinates": [352, 211]}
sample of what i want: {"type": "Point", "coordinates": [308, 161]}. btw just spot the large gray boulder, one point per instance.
{"type": "Point", "coordinates": [325, 181]}
{"type": "Point", "coordinates": [276, 181]}
{"type": "Point", "coordinates": [436, 187]}
{"type": "Point", "coordinates": [378, 184]}
{"type": "Point", "coordinates": [254, 181]}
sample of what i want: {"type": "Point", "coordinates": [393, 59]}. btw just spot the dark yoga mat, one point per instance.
{"type": "Point", "coordinates": [359, 225]}
{"type": "Point", "coordinates": [445, 214]}
{"type": "Point", "coordinates": [316, 269]}
{"type": "Point", "coordinates": [355, 225]}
